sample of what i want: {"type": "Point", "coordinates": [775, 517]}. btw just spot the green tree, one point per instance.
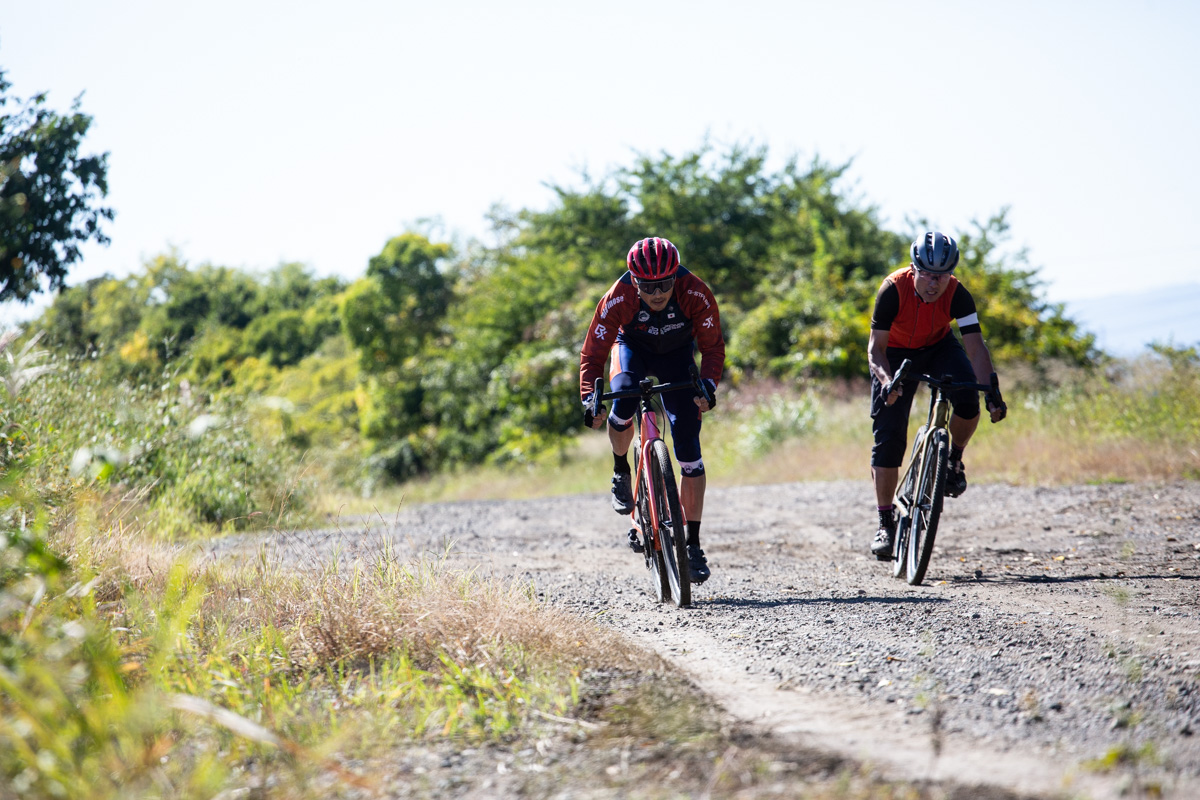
{"type": "Point", "coordinates": [292, 286]}
{"type": "Point", "coordinates": [48, 194]}
{"type": "Point", "coordinates": [1018, 324]}
{"type": "Point", "coordinates": [399, 304]}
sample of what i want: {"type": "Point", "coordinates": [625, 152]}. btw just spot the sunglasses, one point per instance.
{"type": "Point", "coordinates": [654, 287]}
{"type": "Point", "coordinates": [933, 276]}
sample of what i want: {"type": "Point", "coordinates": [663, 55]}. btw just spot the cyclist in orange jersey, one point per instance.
{"type": "Point", "coordinates": [652, 320]}
{"type": "Point", "coordinates": [913, 311]}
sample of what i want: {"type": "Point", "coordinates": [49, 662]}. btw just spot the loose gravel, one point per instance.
{"type": "Point", "coordinates": [1054, 647]}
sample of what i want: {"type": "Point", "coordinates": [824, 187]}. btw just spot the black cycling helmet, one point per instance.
{"type": "Point", "coordinates": [935, 252]}
{"type": "Point", "coordinates": [652, 259]}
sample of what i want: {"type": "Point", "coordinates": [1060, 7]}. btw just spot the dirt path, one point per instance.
{"type": "Point", "coordinates": [1057, 627]}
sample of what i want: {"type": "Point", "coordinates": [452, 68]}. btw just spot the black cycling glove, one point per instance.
{"type": "Point", "coordinates": [994, 399]}
{"type": "Point", "coordinates": [711, 386]}
{"type": "Point", "coordinates": [588, 419]}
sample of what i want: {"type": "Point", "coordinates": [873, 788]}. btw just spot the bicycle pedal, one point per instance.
{"type": "Point", "coordinates": [635, 542]}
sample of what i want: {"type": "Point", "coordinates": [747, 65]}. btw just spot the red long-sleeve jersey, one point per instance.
{"type": "Point", "coordinates": [691, 315]}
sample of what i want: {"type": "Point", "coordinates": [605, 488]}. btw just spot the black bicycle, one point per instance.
{"type": "Point", "coordinates": [657, 514]}
{"type": "Point", "coordinates": [919, 495]}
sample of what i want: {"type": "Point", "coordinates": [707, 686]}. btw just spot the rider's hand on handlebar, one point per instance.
{"type": "Point", "coordinates": [596, 422]}
{"type": "Point", "coordinates": [995, 402]}
{"type": "Point", "coordinates": [897, 390]}
{"type": "Point", "coordinates": [711, 386]}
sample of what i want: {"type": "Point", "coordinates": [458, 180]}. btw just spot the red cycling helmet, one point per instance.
{"type": "Point", "coordinates": [653, 259]}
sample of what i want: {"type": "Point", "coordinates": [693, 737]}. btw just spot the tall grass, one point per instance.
{"type": "Point", "coordinates": [1132, 420]}
{"type": "Point", "coordinates": [128, 668]}
{"type": "Point", "coordinates": [192, 464]}
{"type": "Point", "coordinates": [1137, 420]}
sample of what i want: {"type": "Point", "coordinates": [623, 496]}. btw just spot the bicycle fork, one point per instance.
{"type": "Point", "coordinates": [939, 415]}
{"type": "Point", "coordinates": [648, 431]}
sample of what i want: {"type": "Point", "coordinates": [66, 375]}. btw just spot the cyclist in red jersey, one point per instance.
{"type": "Point", "coordinates": [652, 320]}
{"type": "Point", "coordinates": [912, 316]}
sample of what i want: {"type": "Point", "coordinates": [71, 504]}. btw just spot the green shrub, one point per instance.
{"type": "Point", "coordinates": [200, 463]}
{"type": "Point", "coordinates": [777, 420]}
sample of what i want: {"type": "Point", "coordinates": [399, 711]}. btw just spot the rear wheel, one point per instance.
{"type": "Point", "coordinates": [927, 505]}
{"type": "Point", "coordinates": [671, 533]}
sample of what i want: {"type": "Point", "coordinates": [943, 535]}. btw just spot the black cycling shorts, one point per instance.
{"type": "Point", "coordinates": [890, 423]}
{"type": "Point", "coordinates": [629, 366]}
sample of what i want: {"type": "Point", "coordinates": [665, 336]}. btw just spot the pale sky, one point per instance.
{"type": "Point", "coordinates": [249, 133]}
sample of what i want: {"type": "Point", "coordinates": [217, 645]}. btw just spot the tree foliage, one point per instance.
{"type": "Point", "coordinates": [445, 355]}
{"type": "Point", "coordinates": [48, 193]}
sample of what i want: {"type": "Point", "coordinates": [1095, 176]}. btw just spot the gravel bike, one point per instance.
{"type": "Point", "coordinates": [657, 514]}
{"type": "Point", "coordinates": [919, 494]}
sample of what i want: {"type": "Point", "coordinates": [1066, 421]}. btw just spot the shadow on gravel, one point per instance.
{"type": "Point", "coordinates": [1000, 580]}
{"type": "Point", "coordinates": [751, 602]}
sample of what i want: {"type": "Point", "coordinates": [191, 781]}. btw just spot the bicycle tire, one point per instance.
{"type": "Point", "coordinates": [931, 489]}
{"type": "Point", "coordinates": [900, 547]}
{"type": "Point", "coordinates": [671, 532]}
{"type": "Point", "coordinates": [654, 559]}
{"type": "Point", "coordinates": [903, 527]}
{"type": "Point", "coordinates": [905, 492]}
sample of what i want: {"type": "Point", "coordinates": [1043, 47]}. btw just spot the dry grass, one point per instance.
{"type": "Point", "coordinates": [332, 612]}
{"type": "Point", "coordinates": [1030, 458]}
{"type": "Point", "coordinates": [1140, 423]}
{"type": "Point", "coordinates": [381, 604]}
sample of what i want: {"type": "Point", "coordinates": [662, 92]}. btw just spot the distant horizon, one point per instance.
{"type": "Point", "coordinates": [1126, 324]}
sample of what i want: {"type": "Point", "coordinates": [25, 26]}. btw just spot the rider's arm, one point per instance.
{"type": "Point", "coordinates": [877, 357]}
{"type": "Point", "coordinates": [981, 362]}
{"type": "Point", "coordinates": [887, 306]}
{"type": "Point", "coordinates": [962, 308]}
{"type": "Point", "coordinates": [616, 308]}
{"type": "Point", "coordinates": [699, 305]}
{"type": "Point", "coordinates": [981, 357]}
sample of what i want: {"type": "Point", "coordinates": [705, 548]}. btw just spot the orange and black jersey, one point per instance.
{"type": "Point", "coordinates": [690, 317]}
{"type": "Point", "coordinates": [912, 323]}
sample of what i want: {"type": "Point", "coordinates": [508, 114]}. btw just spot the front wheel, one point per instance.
{"type": "Point", "coordinates": [903, 502]}
{"type": "Point", "coordinates": [672, 536]}
{"type": "Point", "coordinates": [927, 505]}
{"type": "Point", "coordinates": [645, 523]}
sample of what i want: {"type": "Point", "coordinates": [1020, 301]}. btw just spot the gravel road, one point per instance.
{"type": "Point", "coordinates": [1057, 627]}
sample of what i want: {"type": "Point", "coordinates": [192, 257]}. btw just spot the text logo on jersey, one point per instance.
{"type": "Point", "coordinates": [643, 316]}
{"type": "Point", "coordinates": [695, 293]}
{"type": "Point", "coordinates": [610, 304]}
{"type": "Point", "coordinates": [708, 323]}
{"type": "Point", "coordinates": [601, 332]}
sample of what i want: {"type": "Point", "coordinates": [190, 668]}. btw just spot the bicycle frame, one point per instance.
{"type": "Point", "coordinates": [919, 492]}
{"type": "Point", "coordinates": [657, 514]}
{"type": "Point", "coordinates": [939, 418]}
